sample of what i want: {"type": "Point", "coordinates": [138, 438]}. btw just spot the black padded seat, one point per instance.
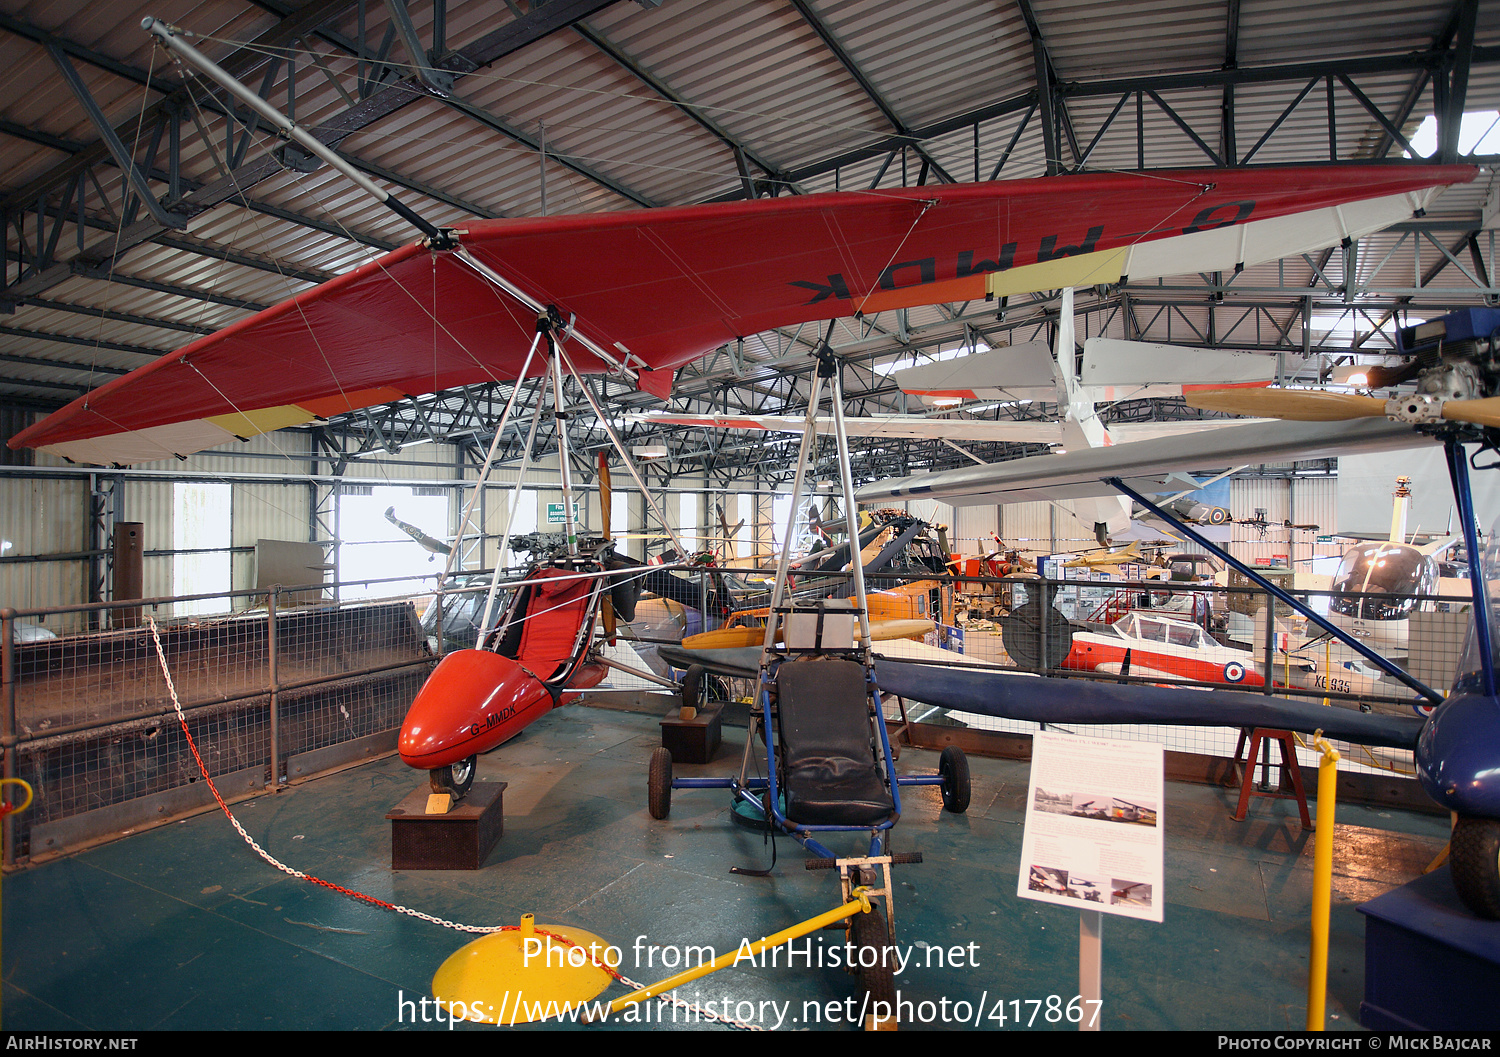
{"type": "Point", "coordinates": [831, 774]}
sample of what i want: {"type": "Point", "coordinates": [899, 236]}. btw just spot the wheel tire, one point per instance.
{"type": "Point", "coordinates": [455, 779]}
{"type": "Point", "coordinates": [867, 932]}
{"type": "Point", "coordinates": [659, 784]}
{"type": "Point", "coordinates": [692, 687]}
{"type": "Point", "coordinates": [953, 765]}
{"type": "Point", "coordinates": [1474, 852]}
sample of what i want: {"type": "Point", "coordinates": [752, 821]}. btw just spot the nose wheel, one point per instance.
{"type": "Point", "coordinates": [455, 779]}
{"type": "Point", "coordinates": [1475, 860]}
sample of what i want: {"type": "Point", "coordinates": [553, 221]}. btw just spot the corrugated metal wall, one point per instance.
{"type": "Point", "coordinates": [1300, 500]}
{"type": "Point", "coordinates": [1028, 527]}
{"type": "Point", "coordinates": [42, 517]}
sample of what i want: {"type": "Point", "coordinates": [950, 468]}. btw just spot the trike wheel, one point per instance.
{"type": "Point", "coordinates": [692, 687]}
{"type": "Point", "coordinates": [875, 966]}
{"type": "Point", "coordinates": [953, 765]}
{"type": "Point", "coordinates": [455, 779]}
{"type": "Point", "coordinates": [1474, 852]}
{"type": "Point", "coordinates": [659, 783]}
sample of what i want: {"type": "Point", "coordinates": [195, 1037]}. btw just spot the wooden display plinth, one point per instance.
{"type": "Point", "coordinates": [693, 740]}
{"type": "Point", "coordinates": [459, 840]}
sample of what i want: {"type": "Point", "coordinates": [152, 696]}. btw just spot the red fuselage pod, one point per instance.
{"type": "Point", "coordinates": [472, 701]}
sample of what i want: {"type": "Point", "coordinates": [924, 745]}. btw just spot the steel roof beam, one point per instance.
{"type": "Point", "coordinates": [386, 101]}
{"type": "Point", "coordinates": [69, 339]}
{"type": "Point", "coordinates": [1453, 83]}
{"type": "Point", "coordinates": [1425, 61]}
{"type": "Point", "coordinates": [116, 317]}
{"type": "Point", "coordinates": [290, 28]}
{"type": "Point", "coordinates": [189, 293]}
{"type": "Point", "coordinates": [1227, 146]}
{"type": "Point", "coordinates": [865, 85]}
{"type": "Point", "coordinates": [694, 113]}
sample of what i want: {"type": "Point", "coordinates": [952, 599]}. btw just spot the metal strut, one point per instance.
{"type": "Point", "coordinates": [551, 329]}
{"type": "Point", "coordinates": [287, 129]}
{"type": "Point", "coordinates": [1458, 473]}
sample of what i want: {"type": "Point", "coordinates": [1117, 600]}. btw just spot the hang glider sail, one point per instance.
{"type": "Point", "coordinates": [652, 290]}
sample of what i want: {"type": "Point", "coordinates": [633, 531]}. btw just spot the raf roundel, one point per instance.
{"type": "Point", "coordinates": [1234, 672]}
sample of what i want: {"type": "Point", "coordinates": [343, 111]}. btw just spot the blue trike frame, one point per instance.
{"type": "Point", "coordinates": [745, 788]}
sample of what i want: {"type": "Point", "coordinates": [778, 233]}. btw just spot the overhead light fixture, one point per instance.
{"type": "Point", "coordinates": [649, 451]}
{"type": "Point", "coordinates": [1355, 375]}
{"type": "Point", "coordinates": [947, 401]}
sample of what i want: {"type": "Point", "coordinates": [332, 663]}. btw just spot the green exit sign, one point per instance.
{"type": "Point", "coordinates": [556, 516]}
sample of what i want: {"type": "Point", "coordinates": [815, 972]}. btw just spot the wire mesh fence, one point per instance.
{"type": "Point", "coordinates": [89, 718]}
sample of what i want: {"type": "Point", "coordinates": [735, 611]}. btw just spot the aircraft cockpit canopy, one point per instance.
{"type": "Point", "coordinates": [1384, 568]}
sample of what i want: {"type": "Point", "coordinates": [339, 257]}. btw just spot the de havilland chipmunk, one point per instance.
{"type": "Point", "coordinates": [639, 293]}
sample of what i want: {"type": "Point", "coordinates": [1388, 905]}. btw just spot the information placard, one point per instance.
{"type": "Point", "coordinates": [1093, 835]}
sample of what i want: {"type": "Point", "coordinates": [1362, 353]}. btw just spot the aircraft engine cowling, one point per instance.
{"type": "Point", "coordinates": [1456, 755]}
{"type": "Point", "coordinates": [472, 701]}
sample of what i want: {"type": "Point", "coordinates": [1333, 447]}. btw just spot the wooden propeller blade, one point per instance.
{"type": "Point", "coordinates": [1311, 405]}
{"type": "Point", "coordinates": [1485, 412]}
{"type": "Point", "coordinates": [1302, 405]}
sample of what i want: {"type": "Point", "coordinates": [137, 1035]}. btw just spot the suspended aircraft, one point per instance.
{"type": "Point", "coordinates": [1110, 561]}
{"type": "Point", "coordinates": [636, 294]}
{"type": "Point", "coordinates": [433, 547]}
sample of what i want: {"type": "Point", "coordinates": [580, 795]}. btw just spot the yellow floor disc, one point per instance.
{"type": "Point", "coordinates": [521, 975]}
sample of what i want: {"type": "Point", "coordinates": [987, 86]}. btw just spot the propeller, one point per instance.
{"type": "Point", "coordinates": [727, 534]}
{"type": "Point", "coordinates": [1313, 405]}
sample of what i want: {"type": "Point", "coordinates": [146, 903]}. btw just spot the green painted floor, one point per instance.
{"type": "Point", "coordinates": [184, 927]}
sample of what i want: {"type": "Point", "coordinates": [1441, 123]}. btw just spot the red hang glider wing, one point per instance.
{"type": "Point", "coordinates": [665, 286]}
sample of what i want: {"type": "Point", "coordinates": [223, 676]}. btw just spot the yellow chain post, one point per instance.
{"type": "Point", "coordinates": [1322, 896]}
{"type": "Point", "coordinates": [7, 809]}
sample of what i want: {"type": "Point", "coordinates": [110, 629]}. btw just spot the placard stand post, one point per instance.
{"type": "Point", "coordinates": [1090, 969]}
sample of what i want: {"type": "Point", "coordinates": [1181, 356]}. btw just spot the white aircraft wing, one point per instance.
{"type": "Point", "coordinates": [1017, 372]}
{"type": "Point", "coordinates": [1131, 370]}
{"type": "Point", "coordinates": [955, 429]}
{"type": "Point", "coordinates": [1147, 466]}
{"type": "Point", "coordinates": [1135, 432]}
